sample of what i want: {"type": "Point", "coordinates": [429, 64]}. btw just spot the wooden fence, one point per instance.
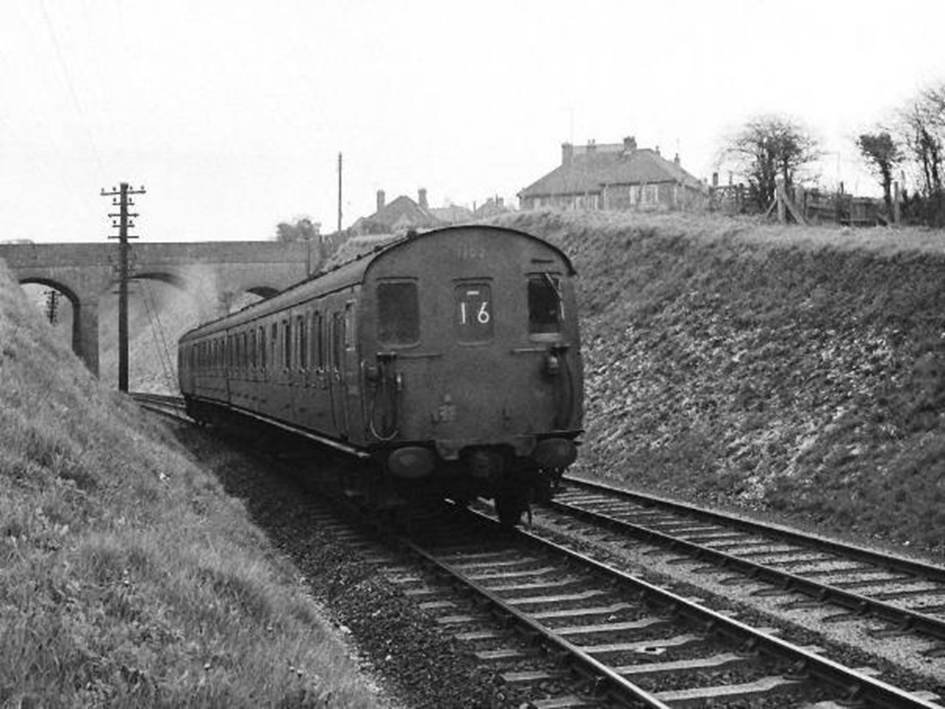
{"type": "Point", "coordinates": [804, 206]}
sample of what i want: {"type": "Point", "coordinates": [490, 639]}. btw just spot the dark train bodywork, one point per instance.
{"type": "Point", "coordinates": [450, 358]}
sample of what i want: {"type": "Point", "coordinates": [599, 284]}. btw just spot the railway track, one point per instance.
{"type": "Point", "coordinates": [907, 595]}
{"type": "Point", "coordinates": [172, 406]}
{"type": "Point", "coordinates": [614, 639]}
{"type": "Point", "coordinates": [564, 630]}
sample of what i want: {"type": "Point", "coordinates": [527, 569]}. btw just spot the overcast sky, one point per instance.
{"type": "Point", "coordinates": [232, 113]}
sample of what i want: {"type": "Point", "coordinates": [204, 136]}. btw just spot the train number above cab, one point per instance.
{"type": "Point", "coordinates": [474, 321]}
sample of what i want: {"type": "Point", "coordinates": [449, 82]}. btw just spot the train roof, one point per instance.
{"type": "Point", "coordinates": [344, 275]}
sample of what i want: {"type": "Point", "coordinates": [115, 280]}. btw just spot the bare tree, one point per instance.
{"type": "Point", "coordinates": [769, 147]}
{"type": "Point", "coordinates": [923, 132]}
{"type": "Point", "coordinates": [884, 155]}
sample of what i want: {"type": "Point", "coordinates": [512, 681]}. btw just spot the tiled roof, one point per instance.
{"type": "Point", "coordinates": [453, 214]}
{"type": "Point", "coordinates": [588, 171]}
{"type": "Point", "coordinates": [400, 213]}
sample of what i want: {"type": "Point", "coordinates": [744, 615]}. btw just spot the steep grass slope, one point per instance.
{"type": "Point", "coordinates": [127, 576]}
{"type": "Point", "coordinates": [799, 369]}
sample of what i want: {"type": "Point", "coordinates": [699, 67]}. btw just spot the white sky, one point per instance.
{"type": "Point", "coordinates": [232, 113]}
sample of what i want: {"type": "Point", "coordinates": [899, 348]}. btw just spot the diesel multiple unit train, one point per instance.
{"type": "Point", "coordinates": [449, 361]}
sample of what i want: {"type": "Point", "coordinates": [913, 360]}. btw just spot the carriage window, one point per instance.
{"type": "Point", "coordinates": [349, 325]}
{"type": "Point", "coordinates": [545, 309]}
{"type": "Point", "coordinates": [303, 342]}
{"type": "Point", "coordinates": [398, 313]}
{"type": "Point", "coordinates": [274, 343]}
{"type": "Point", "coordinates": [474, 322]}
{"type": "Point", "coordinates": [262, 348]}
{"type": "Point", "coordinates": [337, 340]}
{"type": "Point", "coordinates": [286, 344]}
{"type": "Point", "coordinates": [319, 338]}
{"type": "Point", "coordinates": [252, 348]}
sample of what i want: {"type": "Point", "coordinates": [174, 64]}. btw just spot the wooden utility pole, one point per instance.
{"type": "Point", "coordinates": [52, 306]}
{"type": "Point", "coordinates": [121, 198]}
{"type": "Point", "coordinates": [339, 193]}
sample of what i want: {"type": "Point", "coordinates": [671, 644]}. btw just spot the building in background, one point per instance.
{"type": "Point", "coordinates": [614, 176]}
{"type": "Point", "coordinates": [452, 214]}
{"type": "Point", "coordinates": [397, 216]}
{"type": "Point", "coordinates": [490, 208]}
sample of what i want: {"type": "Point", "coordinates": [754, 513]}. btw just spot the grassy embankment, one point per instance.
{"type": "Point", "coordinates": [127, 576]}
{"type": "Point", "coordinates": [787, 368]}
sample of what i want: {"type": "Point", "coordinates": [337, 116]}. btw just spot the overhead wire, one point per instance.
{"type": "Point", "coordinates": [157, 332]}
{"type": "Point", "coordinates": [71, 86]}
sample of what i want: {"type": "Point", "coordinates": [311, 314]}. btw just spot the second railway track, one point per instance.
{"type": "Point", "coordinates": [905, 593]}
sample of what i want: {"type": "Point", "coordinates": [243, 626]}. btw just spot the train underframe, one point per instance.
{"type": "Point", "coordinates": [395, 478]}
{"type": "Point", "coordinates": [488, 471]}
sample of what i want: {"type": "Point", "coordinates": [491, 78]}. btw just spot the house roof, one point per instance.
{"type": "Point", "coordinates": [589, 171]}
{"type": "Point", "coordinates": [401, 213]}
{"type": "Point", "coordinates": [453, 214]}
{"type": "Point", "coordinates": [490, 208]}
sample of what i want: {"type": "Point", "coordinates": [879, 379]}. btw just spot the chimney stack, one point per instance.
{"type": "Point", "coordinates": [676, 160]}
{"type": "Point", "coordinates": [629, 144]}
{"type": "Point", "coordinates": [591, 146]}
{"type": "Point", "coordinates": [422, 197]}
{"type": "Point", "coordinates": [380, 200]}
{"type": "Point", "coordinates": [567, 153]}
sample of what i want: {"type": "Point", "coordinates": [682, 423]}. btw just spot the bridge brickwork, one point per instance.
{"type": "Point", "coordinates": [210, 270]}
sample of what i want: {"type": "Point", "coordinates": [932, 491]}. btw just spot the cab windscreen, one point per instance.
{"type": "Point", "coordinates": [545, 309]}
{"type": "Point", "coordinates": [398, 313]}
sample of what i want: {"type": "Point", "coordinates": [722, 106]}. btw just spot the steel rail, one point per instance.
{"type": "Point", "coordinates": [893, 562]}
{"type": "Point", "coordinates": [172, 406]}
{"type": "Point", "coordinates": [605, 679]}
{"type": "Point", "coordinates": [857, 685]}
{"type": "Point", "coordinates": [903, 619]}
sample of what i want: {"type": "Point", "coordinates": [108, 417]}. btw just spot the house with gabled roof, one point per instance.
{"type": "Point", "coordinates": [492, 207]}
{"type": "Point", "coordinates": [614, 176]}
{"type": "Point", "coordinates": [452, 214]}
{"type": "Point", "coordinates": [399, 215]}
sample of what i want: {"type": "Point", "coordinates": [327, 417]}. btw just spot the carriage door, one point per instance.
{"type": "Point", "coordinates": [337, 375]}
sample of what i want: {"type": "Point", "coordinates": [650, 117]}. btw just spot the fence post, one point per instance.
{"type": "Point", "coordinates": [896, 215]}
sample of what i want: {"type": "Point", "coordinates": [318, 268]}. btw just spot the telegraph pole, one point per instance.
{"type": "Point", "coordinates": [52, 306]}
{"type": "Point", "coordinates": [122, 198]}
{"type": "Point", "coordinates": [339, 194]}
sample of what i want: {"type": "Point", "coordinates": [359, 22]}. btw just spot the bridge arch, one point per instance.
{"type": "Point", "coordinates": [84, 318]}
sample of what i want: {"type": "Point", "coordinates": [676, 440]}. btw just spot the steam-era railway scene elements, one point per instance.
{"type": "Point", "coordinates": [380, 386]}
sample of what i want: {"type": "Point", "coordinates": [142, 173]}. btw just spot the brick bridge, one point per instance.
{"type": "Point", "coordinates": [86, 272]}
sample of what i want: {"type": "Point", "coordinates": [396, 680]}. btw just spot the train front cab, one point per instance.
{"type": "Point", "coordinates": [472, 364]}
